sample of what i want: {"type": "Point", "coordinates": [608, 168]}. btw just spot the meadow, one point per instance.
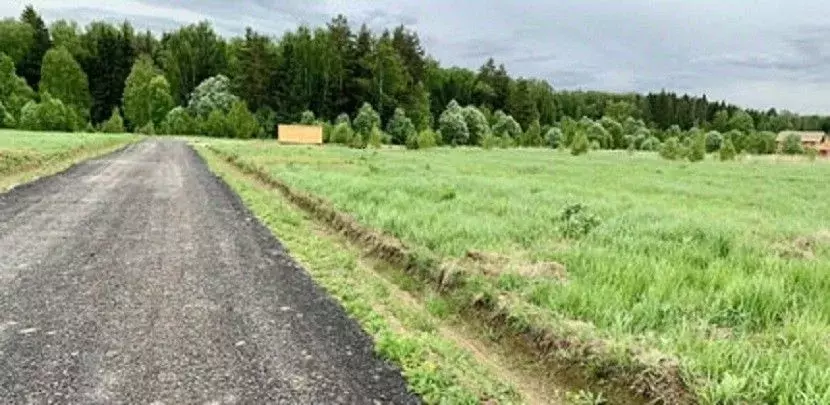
{"type": "Point", "coordinates": [722, 266]}
{"type": "Point", "coordinates": [24, 154]}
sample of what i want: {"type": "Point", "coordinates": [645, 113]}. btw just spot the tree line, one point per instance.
{"type": "Point", "coordinates": [193, 81]}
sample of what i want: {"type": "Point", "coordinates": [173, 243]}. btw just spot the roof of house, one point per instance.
{"type": "Point", "coordinates": [806, 136]}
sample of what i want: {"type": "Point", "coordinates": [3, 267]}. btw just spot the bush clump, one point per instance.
{"type": "Point", "coordinates": [727, 150]}
{"type": "Point", "coordinates": [422, 140]}
{"type": "Point", "coordinates": [580, 144]}
{"type": "Point", "coordinates": [671, 149]}
{"type": "Point", "coordinates": [115, 124]}
{"type": "Point", "coordinates": [576, 221]}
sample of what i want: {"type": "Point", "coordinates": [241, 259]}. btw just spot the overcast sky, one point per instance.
{"type": "Point", "coordinates": [756, 53]}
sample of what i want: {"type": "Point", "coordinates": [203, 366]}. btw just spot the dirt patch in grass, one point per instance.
{"type": "Point", "coordinates": [494, 265]}
{"type": "Point", "coordinates": [626, 368]}
{"type": "Point", "coordinates": [804, 247]}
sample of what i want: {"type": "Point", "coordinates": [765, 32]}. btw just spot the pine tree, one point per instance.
{"type": "Point", "coordinates": [29, 68]}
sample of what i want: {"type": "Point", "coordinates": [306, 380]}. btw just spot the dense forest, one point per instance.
{"type": "Point", "coordinates": [192, 81]}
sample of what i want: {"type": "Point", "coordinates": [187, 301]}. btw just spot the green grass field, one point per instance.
{"type": "Point", "coordinates": [25, 154]}
{"type": "Point", "coordinates": [721, 265]}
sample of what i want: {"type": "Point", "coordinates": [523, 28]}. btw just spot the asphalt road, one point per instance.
{"type": "Point", "coordinates": [140, 278]}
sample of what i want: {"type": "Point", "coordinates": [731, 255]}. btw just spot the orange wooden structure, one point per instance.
{"type": "Point", "coordinates": [300, 134]}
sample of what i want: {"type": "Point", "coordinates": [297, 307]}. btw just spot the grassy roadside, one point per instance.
{"type": "Point", "coordinates": [25, 157]}
{"type": "Point", "coordinates": [404, 331]}
{"type": "Point", "coordinates": [454, 348]}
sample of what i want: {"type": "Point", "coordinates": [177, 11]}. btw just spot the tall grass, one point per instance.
{"type": "Point", "coordinates": [721, 264]}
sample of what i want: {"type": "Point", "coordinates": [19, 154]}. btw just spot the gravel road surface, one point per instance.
{"type": "Point", "coordinates": [140, 278]}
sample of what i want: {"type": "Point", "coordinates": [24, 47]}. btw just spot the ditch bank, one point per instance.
{"type": "Point", "coordinates": [625, 372]}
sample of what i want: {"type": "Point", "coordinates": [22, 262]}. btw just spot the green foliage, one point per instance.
{"type": "Point", "coordinates": [15, 39]}
{"type": "Point", "coordinates": [577, 220]}
{"type": "Point", "coordinates": [6, 119]}
{"type": "Point", "coordinates": [148, 129]}
{"type": "Point", "coordinates": [651, 144]}
{"type": "Point", "coordinates": [477, 124]}
{"type": "Point", "coordinates": [213, 94]}
{"type": "Point", "coordinates": [191, 55]}
{"type": "Point", "coordinates": [616, 130]}
{"type": "Point", "coordinates": [505, 126]}
{"type": "Point", "coordinates": [179, 122]}
{"type": "Point", "coordinates": [342, 134]}
{"type": "Point", "coordinates": [241, 122]}
{"type": "Point", "coordinates": [792, 145]}
{"type": "Point", "coordinates": [50, 114]}
{"type": "Point", "coordinates": [308, 118]}
{"type": "Point", "coordinates": [366, 120]}
{"type": "Point", "coordinates": [29, 66]}
{"type": "Point", "coordinates": [14, 92]}
{"type": "Point", "coordinates": [115, 123]}
{"type": "Point", "coordinates": [554, 137]}
{"type": "Point", "coordinates": [697, 149]}
{"type": "Point", "coordinates": [727, 150]}
{"type": "Point", "coordinates": [375, 138]}
{"type": "Point", "coordinates": [597, 133]}
{"type": "Point", "coordinates": [452, 125]}
{"type": "Point", "coordinates": [714, 141]}
{"type": "Point", "coordinates": [741, 121]}
{"type": "Point", "coordinates": [671, 149]}
{"type": "Point", "coordinates": [147, 95]}
{"type": "Point", "coordinates": [422, 140]}
{"type": "Point", "coordinates": [811, 153]}
{"type": "Point", "coordinates": [761, 142]}
{"type": "Point", "coordinates": [400, 127]}
{"type": "Point", "coordinates": [216, 125]}
{"type": "Point", "coordinates": [267, 119]}
{"type": "Point", "coordinates": [580, 144]}
{"type": "Point", "coordinates": [720, 122]}
{"type": "Point", "coordinates": [533, 135]}
{"type": "Point", "coordinates": [63, 78]}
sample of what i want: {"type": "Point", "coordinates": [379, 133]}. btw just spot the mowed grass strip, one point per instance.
{"type": "Point", "coordinates": [404, 330]}
{"type": "Point", "coordinates": [27, 155]}
{"type": "Point", "coordinates": [723, 265]}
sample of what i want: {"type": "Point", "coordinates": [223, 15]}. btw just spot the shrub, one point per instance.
{"type": "Point", "coordinates": [241, 122]}
{"type": "Point", "coordinates": [506, 126]}
{"type": "Point", "coordinates": [115, 124]}
{"type": "Point", "coordinates": [554, 137]}
{"type": "Point", "coordinates": [6, 119]}
{"type": "Point", "coordinates": [792, 145]}
{"type": "Point", "coordinates": [727, 150]}
{"type": "Point", "coordinates": [342, 134]}
{"type": "Point", "coordinates": [697, 148]}
{"type": "Point", "coordinates": [714, 141]}
{"type": "Point", "coordinates": [267, 119]}
{"type": "Point", "coordinates": [670, 149]}
{"type": "Point", "coordinates": [179, 122]}
{"type": "Point", "coordinates": [580, 144]}
{"type": "Point", "coordinates": [453, 126]}
{"type": "Point", "coordinates": [400, 127]}
{"type": "Point", "coordinates": [650, 144]}
{"type": "Point", "coordinates": [50, 114]}
{"type": "Point", "coordinates": [533, 135]}
{"type": "Point", "coordinates": [476, 124]}
{"type": "Point", "coordinates": [376, 138]}
{"type": "Point", "coordinates": [422, 140]}
{"type": "Point", "coordinates": [307, 118]}
{"type": "Point", "coordinates": [148, 129]}
{"type": "Point", "coordinates": [214, 93]}
{"type": "Point", "coordinates": [597, 133]}
{"type": "Point", "coordinates": [576, 221]}
{"type": "Point", "coordinates": [216, 125]}
{"type": "Point", "coordinates": [366, 119]}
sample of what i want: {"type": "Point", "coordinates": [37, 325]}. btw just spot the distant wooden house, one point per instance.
{"type": "Point", "coordinates": [300, 134]}
{"type": "Point", "coordinates": [817, 140]}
